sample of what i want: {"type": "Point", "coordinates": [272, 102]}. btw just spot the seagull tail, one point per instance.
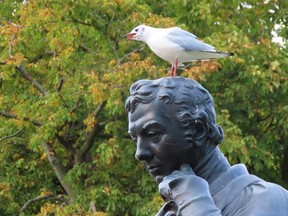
{"type": "Point", "coordinates": [213, 54]}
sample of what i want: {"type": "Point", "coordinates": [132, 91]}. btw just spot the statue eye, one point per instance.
{"type": "Point", "coordinates": [154, 136]}
{"type": "Point", "coordinates": [133, 137]}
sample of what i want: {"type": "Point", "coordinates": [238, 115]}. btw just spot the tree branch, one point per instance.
{"type": "Point", "coordinates": [12, 135]}
{"type": "Point", "coordinates": [33, 200]}
{"type": "Point", "coordinates": [63, 139]}
{"type": "Point", "coordinates": [58, 168]}
{"type": "Point", "coordinates": [11, 42]}
{"type": "Point", "coordinates": [99, 109]}
{"type": "Point", "coordinates": [21, 68]}
{"type": "Point", "coordinates": [114, 50]}
{"type": "Point", "coordinates": [81, 22]}
{"type": "Point", "coordinates": [140, 48]}
{"type": "Point", "coordinates": [66, 144]}
{"type": "Point", "coordinates": [28, 77]}
{"type": "Point", "coordinates": [60, 84]}
{"type": "Point", "coordinates": [10, 115]}
{"type": "Point", "coordinates": [79, 156]}
{"type": "Point", "coordinates": [40, 56]}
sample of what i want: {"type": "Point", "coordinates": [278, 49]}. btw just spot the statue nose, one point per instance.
{"type": "Point", "coordinates": [143, 150]}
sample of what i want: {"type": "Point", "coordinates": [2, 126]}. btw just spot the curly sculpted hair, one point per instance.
{"type": "Point", "coordinates": [195, 104]}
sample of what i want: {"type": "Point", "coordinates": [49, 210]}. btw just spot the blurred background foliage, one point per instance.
{"type": "Point", "coordinates": [65, 72]}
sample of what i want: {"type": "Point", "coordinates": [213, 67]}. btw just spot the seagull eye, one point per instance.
{"type": "Point", "coordinates": [136, 30]}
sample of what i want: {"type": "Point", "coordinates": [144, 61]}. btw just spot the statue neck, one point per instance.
{"type": "Point", "coordinates": [212, 165]}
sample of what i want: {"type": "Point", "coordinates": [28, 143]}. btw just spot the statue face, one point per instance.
{"type": "Point", "coordinates": [159, 138]}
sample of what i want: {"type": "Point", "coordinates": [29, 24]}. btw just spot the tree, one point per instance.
{"type": "Point", "coordinates": [65, 75]}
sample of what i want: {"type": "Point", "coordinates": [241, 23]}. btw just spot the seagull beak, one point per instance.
{"type": "Point", "coordinates": [130, 36]}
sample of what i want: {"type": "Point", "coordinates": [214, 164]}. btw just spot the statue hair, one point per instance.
{"type": "Point", "coordinates": [194, 103]}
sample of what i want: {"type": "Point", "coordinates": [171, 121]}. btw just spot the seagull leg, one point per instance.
{"type": "Point", "coordinates": [173, 70]}
{"type": "Point", "coordinates": [174, 67]}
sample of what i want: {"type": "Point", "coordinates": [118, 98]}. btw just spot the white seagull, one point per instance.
{"type": "Point", "coordinates": [174, 45]}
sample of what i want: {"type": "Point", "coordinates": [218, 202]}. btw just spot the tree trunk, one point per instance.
{"type": "Point", "coordinates": [59, 169]}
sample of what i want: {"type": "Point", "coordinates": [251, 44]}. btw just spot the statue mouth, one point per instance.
{"type": "Point", "coordinates": [153, 169]}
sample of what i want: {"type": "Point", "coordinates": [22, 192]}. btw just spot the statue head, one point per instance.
{"type": "Point", "coordinates": [173, 121]}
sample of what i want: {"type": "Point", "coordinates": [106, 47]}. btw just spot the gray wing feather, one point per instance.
{"type": "Point", "coordinates": [188, 41]}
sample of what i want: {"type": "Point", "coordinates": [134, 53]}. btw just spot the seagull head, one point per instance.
{"type": "Point", "coordinates": [137, 33]}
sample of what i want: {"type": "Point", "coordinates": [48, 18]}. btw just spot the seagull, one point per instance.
{"type": "Point", "coordinates": [174, 45]}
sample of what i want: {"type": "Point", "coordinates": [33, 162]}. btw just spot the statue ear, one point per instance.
{"type": "Point", "coordinates": [196, 134]}
{"type": "Point", "coordinates": [200, 132]}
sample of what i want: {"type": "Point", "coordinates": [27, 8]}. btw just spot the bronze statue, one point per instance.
{"type": "Point", "coordinates": [173, 123]}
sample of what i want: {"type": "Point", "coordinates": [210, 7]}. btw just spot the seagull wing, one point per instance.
{"type": "Point", "coordinates": [188, 41]}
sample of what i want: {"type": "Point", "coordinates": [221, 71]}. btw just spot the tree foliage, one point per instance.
{"type": "Point", "coordinates": [65, 75]}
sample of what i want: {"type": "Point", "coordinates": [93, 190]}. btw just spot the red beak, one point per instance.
{"type": "Point", "coordinates": [130, 36]}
